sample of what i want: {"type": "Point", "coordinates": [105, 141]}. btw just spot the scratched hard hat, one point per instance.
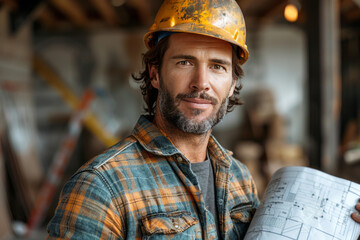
{"type": "Point", "coordinates": [220, 19]}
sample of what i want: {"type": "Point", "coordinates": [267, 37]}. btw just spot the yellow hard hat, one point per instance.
{"type": "Point", "coordinates": [220, 19]}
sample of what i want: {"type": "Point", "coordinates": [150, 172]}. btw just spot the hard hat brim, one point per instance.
{"type": "Point", "coordinates": [150, 38]}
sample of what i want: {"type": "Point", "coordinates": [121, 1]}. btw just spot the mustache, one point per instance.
{"type": "Point", "coordinates": [200, 95]}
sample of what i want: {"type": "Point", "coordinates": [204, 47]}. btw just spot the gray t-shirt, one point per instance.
{"type": "Point", "coordinates": [205, 174]}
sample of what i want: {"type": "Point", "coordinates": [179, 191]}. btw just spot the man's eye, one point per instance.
{"type": "Point", "coordinates": [184, 63]}
{"type": "Point", "coordinates": [219, 67]}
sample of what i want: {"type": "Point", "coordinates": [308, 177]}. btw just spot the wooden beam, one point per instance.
{"type": "Point", "coordinates": [73, 11]}
{"type": "Point", "coordinates": [10, 4]}
{"type": "Point", "coordinates": [346, 5]}
{"type": "Point", "coordinates": [244, 5]}
{"type": "Point", "coordinates": [107, 11]}
{"type": "Point", "coordinates": [352, 15]}
{"type": "Point", "coordinates": [45, 16]}
{"type": "Point", "coordinates": [272, 8]}
{"type": "Point", "coordinates": [144, 9]}
{"type": "Point", "coordinates": [274, 11]}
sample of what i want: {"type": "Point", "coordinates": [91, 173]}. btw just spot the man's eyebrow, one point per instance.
{"type": "Point", "coordinates": [188, 57]}
{"type": "Point", "coordinates": [220, 61]}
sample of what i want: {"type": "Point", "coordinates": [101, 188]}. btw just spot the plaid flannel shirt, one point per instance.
{"type": "Point", "coordinates": [144, 188]}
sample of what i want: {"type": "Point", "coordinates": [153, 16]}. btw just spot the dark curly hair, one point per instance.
{"type": "Point", "coordinates": [155, 56]}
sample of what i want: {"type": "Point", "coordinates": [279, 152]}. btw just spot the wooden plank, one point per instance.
{"type": "Point", "coordinates": [346, 5]}
{"type": "Point", "coordinates": [245, 4]}
{"type": "Point", "coordinates": [10, 4]}
{"type": "Point", "coordinates": [91, 122]}
{"type": "Point", "coordinates": [107, 11]}
{"type": "Point", "coordinates": [352, 15]}
{"type": "Point", "coordinates": [263, 11]}
{"type": "Point", "coordinates": [144, 9]}
{"type": "Point", "coordinates": [260, 7]}
{"type": "Point", "coordinates": [47, 18]}
{"type": "Point", "coordinates": [273, 11]}
{"type": "Point", "coordinates": [73, 11]}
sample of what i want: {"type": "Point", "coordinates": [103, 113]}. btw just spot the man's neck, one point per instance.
{"type": "Point", "coordinates": [193, 146]}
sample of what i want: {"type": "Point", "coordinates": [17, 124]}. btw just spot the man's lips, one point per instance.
{"type": "Point", "coordinates": [197, 100]}
{"type": "Point", "coordinates": [197, 103]}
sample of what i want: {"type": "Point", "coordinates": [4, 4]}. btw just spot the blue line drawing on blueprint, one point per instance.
{"type": "Point", "coordinates": [305, 204]}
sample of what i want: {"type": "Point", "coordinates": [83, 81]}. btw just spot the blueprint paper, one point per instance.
{"type": "Point", "coordinates": [306, 204]}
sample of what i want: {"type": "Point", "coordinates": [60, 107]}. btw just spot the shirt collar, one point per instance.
{"type": "Point", "coordinates": [217, 152]}
{"type": "Point", "coordinates": [151, 138]}
{"type": "Point", "coordinates": [154, 141]}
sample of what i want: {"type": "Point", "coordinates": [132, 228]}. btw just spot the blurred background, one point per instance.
{"type": "Point", "coordinates": [66, 93]}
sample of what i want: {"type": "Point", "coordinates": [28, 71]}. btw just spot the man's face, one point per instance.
{"type": "Point", "coordinates": [195, 82]}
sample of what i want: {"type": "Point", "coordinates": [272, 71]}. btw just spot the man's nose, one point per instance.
{"type": "Point", "coordinates": [200, 80]}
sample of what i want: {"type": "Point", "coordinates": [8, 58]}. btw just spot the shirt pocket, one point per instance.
{"type": "Point", "coordinates": [172, 225]}
{"type": "Point", "coordinates": [241, 216]}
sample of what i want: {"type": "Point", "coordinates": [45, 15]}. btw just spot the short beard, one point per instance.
{"type": "Point", "coordinates": [169, 109]}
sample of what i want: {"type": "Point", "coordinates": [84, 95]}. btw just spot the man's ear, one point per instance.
{"type": "Point", "coordinates": [154, 76]}
{"type": "Point", "coordinates": [233, 85]}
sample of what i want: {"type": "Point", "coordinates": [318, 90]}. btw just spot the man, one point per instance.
{"type": "Point", "coordinates": [171, 179]}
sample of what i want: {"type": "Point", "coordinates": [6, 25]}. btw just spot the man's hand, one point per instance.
{"type": "Point", "coordinates": [356, 215]}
